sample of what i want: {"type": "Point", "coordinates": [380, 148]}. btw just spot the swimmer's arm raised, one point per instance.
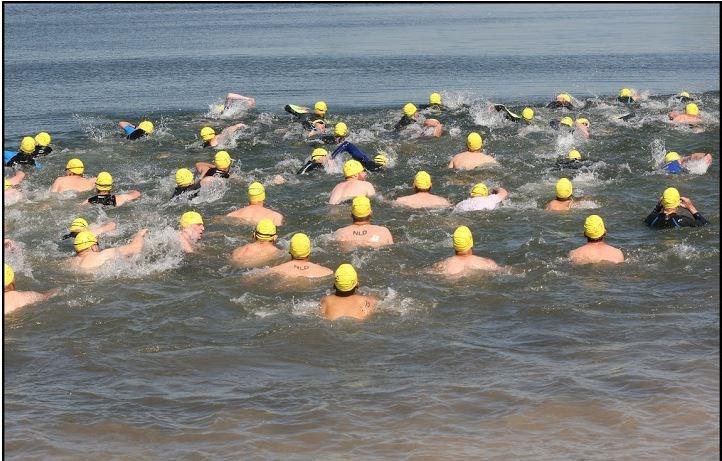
{"type": "Point", "coordinates": [135, 246]}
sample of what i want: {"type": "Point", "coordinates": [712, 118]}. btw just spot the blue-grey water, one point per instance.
{"type": "Point", "coordinates": [168, 356]}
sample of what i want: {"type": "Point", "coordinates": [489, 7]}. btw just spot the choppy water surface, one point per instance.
{"type": "Point", "coordinates": [168, 356]}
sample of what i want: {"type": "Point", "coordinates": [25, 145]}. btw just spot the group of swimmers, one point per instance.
{"type": "Point", "coordinates": [356, 189]}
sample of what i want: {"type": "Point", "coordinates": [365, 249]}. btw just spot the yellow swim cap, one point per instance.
{"type": "Point", "coordinates": [594, 227]}
{"type": "Point", "coordinates": [207, 133]}
{"type": "Point", "coordinates": [346, 278]}
{"type": "Point", "coordinates": [381, 159]}
{"type": "Point", "coordinates": [8, 276]}
{"type": "Point", "coordinates": [42, 139]}
{"type": "Point", "coordinates": [527, 114]}
{"type": "Point", "coordinates": [27, 145]}
{"type": "Point", "coordinates": [409, 109]}
{"type": "Point", "coordinates": [479, 190]}
{"type": "Point", "coordinates": [474, 141]}
{"type": "Point", "coordinates": [670, 198]}
{"type": "Point", "coordinates": [360, 206]}
{"type": "Point", "coordinates": [189, 218]}
{"type": "Point", "coordinates": [422, 181]}
{"type": "Point", "coordinates": [321, 107]}
{"type": "Point", "coordinates": [146, 126]}
{"type": "Point", "coordinates": [319, 152]}
{"type": "Point", "coordinates": [691, 109]}
{"type": "Point", "coordinates": [256, 192]}
{"type": "Point", "coordinates": [434, 98]}
{"type": "Point", "coordinates": [566, 121]}
{"type": "Point", "coordinates": [78, 225]}
{"type": "Point", "coordinates": [684, 94]}
{"type": "Point", "coordinates": [564, 188]}
{"type": "Point", "coordinates": [671, 157]}
{"type": "Point", "coordinates": [265, 230]}
{"type": "Point", "coordinates": [222, 160]}
{"type": "Point", "coordinates": [75, 165]}
{"type": "Point", "coordinates": [300, 246]}
{"type": "Point", "coordinates": [583, 121]}
{"type": "Point", "coordinates": [462, 239]}
{"type": "Point", "coordinates": [104, 181]}
{"type": "Point", "coordinates": [566, 97]}
{"type": "Point", "coordinates": [625, 93]}
{"type": "Point", "coordinates": [575, 155]}
{"type": "Point", "coordinates": [7, 184]}
{"type": "Point", "coordinates": [183, 177]}
{"type": "Point", "coordinates": [352, 168]}
{"type": "Point", "coordinates": [84, 240]}
{"type": "Point", "coordinates": [340, 130]}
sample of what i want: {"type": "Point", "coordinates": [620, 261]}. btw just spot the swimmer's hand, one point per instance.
{"type": "Point", "coordinates": [687, 204]}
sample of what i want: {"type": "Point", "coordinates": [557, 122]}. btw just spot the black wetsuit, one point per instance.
{"type": "Point", "coordinates": [135, 134]}
{"type": "Point", "coordinates": [403, 123]}
{"type": "Point", "coordinates": [572, 164]}
{"type": "Point", "coordinates": [70, 235]}
{"type": "Point", "coordinates": [42, 150]}
{"type": "Point", "coordinates": [310, 166]}
{"type": "Point", "coordinates": [564, 104]}
{"type": "Point", "coordinates": [658, 220]}
{"type": "Point", "coordinates": [21, 158]}
{"type": "Point", "coordinates": [106, 200]}
{"type": "Point", "coordinates": [190, 192]}
{"type": "Point", "coordinates": [217, 173]}
{"type": "Point", "coordinates": [628, 100]}
{"type": "Point", "coordinates": [306, 119]}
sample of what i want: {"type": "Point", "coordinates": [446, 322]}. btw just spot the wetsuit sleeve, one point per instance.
{"type": "Point", "coordinates": [341, 148]}
{"type": "Point", "coordinates": [699, 220]}
{"type": "Point", "coordinates": [403, 123]}
{"type": "Point", "coordinates": [654, 215]}
{"type": "Point", "coordinates": [308, 167]}
{"type": "Point", "coordinates": [358, 154]}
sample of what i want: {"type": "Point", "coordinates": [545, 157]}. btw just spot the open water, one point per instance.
{"type": "Point", "coordinates": [181, 357]}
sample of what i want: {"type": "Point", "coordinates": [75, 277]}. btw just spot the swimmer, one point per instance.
{"type": "Point", "coordinates": [689, 117]}
{"type": "Point", "coordinates": [684, 97]}
{"type": "Point", "coordinates": [186, 185]}
{"type": "Point", "coordinates": [566, 122]}
{"type": "Point", "coordinates": [26, 154]}
{"type": "Point", "coordinates": [422, 198]}
{"type": "Point", "coordinates": [191, 230]}
{"type": "Point", "coordinates": [210, 139]}
{"type": "Point", "coordinates": [42, 144]}
{"type": "Point", "coordinates": [362, 233]}
{"type": "Point", "coordinates": [627, 96]}
{"type": "Point", "coordinates": [13, 299]}
{"type": "Point", "coordinates": [581, 125]}
{"type": "Point", "coordinates": [464, 261]}
{"type": "Point", "coordinates": [675, 164]}
{"type": "Point", "coordinates": [262, 250]}
{"type": "Point", "coordinates": [255, 211]}
{"type": "Point", "coordinates": [526, 117]}
{"type": "Point", "coordinates": [573, 160]}
{"type": "Point", "coordinates": [307, 119]}
{"type": "Point", "coordinates": [220, 168]}
{"type": "Point", "coordinates": [132, 132]}
{"type": "Point", "coordinates": [474, 157]}
{"type": "Point", "coordinates": [318, 161]}
{"type": "Point", "coordinates": [434, 104]}
{"type": "Point", "coordinates": [664, 215]}
{"type": "Point", "coordinates": [299, 266]}
{"type": "Point", "coordinates": [103, 185]}
{"type": "Point", "coordinates": [563, 100]}
{"type": "Point", "coordinates": [318, 129]}
{"type": "Point", "coordinates": [411, 116]}
{"type": "Point", "coordinates": [596, 250]}
{"type": "Point", "coordinates": [345, 302]}
{"type": "Point", "coordinates": [233, 99]}
{"type": "Point", "coordinates": [564, 200]}
{"type": "Point", "coordinates": [340, 132]}
{"type": "Point", "coordinates": [482, 199]}
{"type": "Point", "coordinates": [11, 195]}
{"type": "Point", "coordinates": [79, 225]}
{"type": "Point", "coordinates": [354, 185]}
{"type": "Point", "coordinates": [74, 180]}
{"type": "Point", "coordinates": [90, 256]}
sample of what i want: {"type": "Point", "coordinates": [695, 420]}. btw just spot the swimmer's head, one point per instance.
{"type": "Point", "coordinates": [352, 168]}
{"type": "Point", "coordinates": [435, 99]}
{"type": "Point", "coordinates": [670, 198]}
{"type": "Point", "coordinates": [319, 154]}
{"type": "Point", "coordinates": [265, 231]}
{"type": "Point", "coordinates": [104, 181]}
{"type": "Point", "coordinates": [361, 207]}
{"type": "Point", "coordinates": [75, 166]}
{"type": "Point", "coordinates": [625, 93]}
{"type": "Point", "coordinates": [222, 160]}
{"type": "Point", "coordinates": [207, 133]}
{"type": "Point", "coordinates": [381, 159]}
{"type": "Point", "coordinates": [691, 109]}
{"type": "Point", "coordinates": [684, 94]}
{"type": "Point", "coordinates": [7, 184]}
{"type": "Point", "coordinates": [479, 190]}
{"type": "Point", "coordinates": [340, 130]}
{"type": "Point", "coordinates": [564, 189]}
{"type": "Point", "coordinates": [575, 155]}
{"type": "Point", "coordinates": [564, 97]}
{"type": "Point", "coordinates": [671, 157]}
{"type": "Point", "coordinates": [566, 121]}
{"type": "Point", "coordinates": [78, 225]}
{"type": "Point", "coordinates": [320, 108]}
{"type": "Point", "coordinates": [474, 141]}
{"type": "Point", "coordinates": [527, 114]}
{"type": "Point", "coordinates": [27, 145]}
{"type": "Point", "coordinates": [346, 278]}
{"type": "Point", "coordinates": [146, 126]}
{"type": "Point", "coordinates": [183, 177]}
{"type": "Point", "coordinates": [84, 240]}
{"type": "Point", "coordinates": [190, 218]}
{"type": "Point", "coordinates": [42, 139]}
{"type": "Point", "coordinates": [409, 109]}
{"type": "Point", "coordinates": [8, 276]}
{"type": "Point", "coordinates": [582, 121]}
{"type": "Point", "coordinates": [462, 239]}
{"type": "Point", "coordinates": [300, 246]}
{"type": "Point", "coordinates": [256, 192]}
{"type": "Point", "coordinates": [422, 181]}
{"type": "Point", "coordinates": [594, 227]}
